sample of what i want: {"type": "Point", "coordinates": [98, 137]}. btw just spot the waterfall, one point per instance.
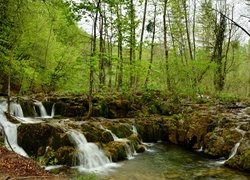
{"type": "Point", "coordinates": [89, 155]}
{"type": "Point", "coordinates": [129, 149]}
{"type": "Point", "coordinates": [42, 109]}
{"type": "Point", "coordinates": [134, 129]}
{"type": "Point", "coordinates": [130, 153]}
{"type": "Point", "coordinates": [16, 109]}
{"type": "Point", "coordinates": [235, 148]}
{"type": "Point", "coordinates": [52, 111]}
{"type": "Point", "coordinates": [10, 129]}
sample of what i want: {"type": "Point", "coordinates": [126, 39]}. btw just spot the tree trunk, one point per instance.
{"type": "Point", "coordinates": [152, 48]}
{"type": "Point", "coordinates": [217, 54]}
{"type": "Point", "coordinates": [141, 41]}
{"type": "Point", "coordinates": [101, 59]}
{"type": "Point", "coordinates": [165, 45]}
{"type": "Point", "coordinates": [92, 58]}
{"type": "Point", "coordinates": [132, 43]}
{"type": "Point", "coordinates": [120, 49]}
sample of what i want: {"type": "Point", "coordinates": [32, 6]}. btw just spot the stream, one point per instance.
{"type": "Point", "coordinates": [164, 161]}
{"type": "Point", "coordinates": [160, 161]}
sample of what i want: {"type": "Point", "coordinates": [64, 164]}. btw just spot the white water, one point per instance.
{"type": "Point", "coordinates": [89, 155]}
{"type": "Point", "coordinates": [235, 148]}
{"type": "Point", "coordinates": [10, 129]}
{"type": "Point", "coordinates": [134, 130]}
{"type": "Point", "coordinates": [53, 111]}
{"type": "Point", "coordinates": [43, 112]}
{"type": "Point", "coordinates": [129, 151]}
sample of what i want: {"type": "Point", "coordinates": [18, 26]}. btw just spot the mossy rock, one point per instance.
{"type": "Point", "coordinates": [213, 144]}
{"type": "Point", "coordinates": [28, 108]}
{"type": "Point", "coordinates": [65, 155]}
{"type": "Point", "coordinates": [50, 157]}
{"type": "Point", "coordinates": [106, 137]}
{"type": "Point", "coordinates": [245, 160]}
{"type": "Point", "coordinates": [92, 133]}
{"type": "Point", "coordinates": [33, 136]}
{"type": "Point", "coordinates": [149, 129]}
{"type": "Point", "coordinates": [120, 130]}
{"type": "Point", "coordinates": [231, 137]}
{"type": "Point", "coordinates": [141, 149]}
{"type": "Point", "coordinates": [164, 109]}
{"type": "Point", "coordinates": [116, 151]}
{"type": "Point", "coordinates": [58, 139]}
{"type": "Point", "coordinates": [135, 141]}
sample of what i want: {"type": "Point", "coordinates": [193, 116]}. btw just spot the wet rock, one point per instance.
{"type": "Point", "coordinates": [121, 130]}
{"type": "Point", "coordinates": [64, 155]}
{"type": "Point", "coordinates": [116, 150]}
{"type": "Point", "coordinates": [213, 143]}
{"type": "Point", "coordinates": [149, 129]}
{"type": "Point", "coordinates": [135, 142]}
{"type": "Point", "coordinates": [33, 136]}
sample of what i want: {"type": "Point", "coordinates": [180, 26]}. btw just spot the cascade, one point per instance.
{"type": "Point", "coordinates": [89, 156]}
{"type": "Point", "coordinates": [53, 111]}
{"type": "Point", "coordinates": [10, 129]}
{"type": "Point", "coordinates": [16, 109]}
{"type": "Point", "coordinates": [42, 109]}
{"type": "Point", "coordinates": [235, 148]}
{"type": "Point", "coordinates": [134, 129]}
{"type": "Point", "coordinates": [129, 150]}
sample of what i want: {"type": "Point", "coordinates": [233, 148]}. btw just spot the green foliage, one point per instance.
{"type": "Point", "coordinates": [49, 53]}
{"type": "Point", "coordinates": [86, 176]}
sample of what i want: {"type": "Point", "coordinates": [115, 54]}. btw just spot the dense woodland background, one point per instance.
{"type": "Point", "coordinates": [187, 46]}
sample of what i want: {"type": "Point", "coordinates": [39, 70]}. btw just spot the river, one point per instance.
{"type": "Point", "coordinates": [163, 161]}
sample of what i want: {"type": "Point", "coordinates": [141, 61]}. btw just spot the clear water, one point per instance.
{"type": "Point", "coordinates": [163, 161]}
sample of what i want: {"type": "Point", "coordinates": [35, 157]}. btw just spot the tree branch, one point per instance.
{"type": "Point", "coordinates": [236, 24]}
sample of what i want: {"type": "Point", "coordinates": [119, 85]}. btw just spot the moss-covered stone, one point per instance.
{"type": "Point", "coordinates": [120, 130]}
{"type": "Point", "coordinates": [149, 129]}
{"type": "Point", "coordinates": [135, 141]}
{"type": "Point", "coordinates": [213, 144]}
{"type": "Point", "coordinates": [33, 136]}
{"type": "Point", "coordinates": [65, 155]}
{"type": "Point", "coordinates": [106, 137]}
{"type": "Point", "coordinates": [28, 108]}
{"type": "Point", "coordinates": [116, 150]}
{"type": "Point", "coordinates": [50, 157]}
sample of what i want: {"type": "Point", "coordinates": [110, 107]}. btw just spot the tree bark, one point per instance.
{"type": "Point", "coordinates": [152, 48]}
{"type": "Point", "coordinates": [141, 41]}
{"type": "Point", "coordinates": [165, 45]}
{"type": "Point", "coordinates": [217, 54]}
{"type": "Point", "coordinates": [91, 65]}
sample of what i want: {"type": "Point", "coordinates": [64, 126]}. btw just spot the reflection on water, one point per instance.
{"type": "Point", "coordinates": [163, 161]}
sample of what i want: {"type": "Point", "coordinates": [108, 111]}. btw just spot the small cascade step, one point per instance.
{"type": "Point", "coordinates": [89, 155]}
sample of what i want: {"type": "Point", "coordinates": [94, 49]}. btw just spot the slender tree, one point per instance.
{"type": "Point", "coordinates": [141, 40]}
{"type": "Point", "coordinates": [165, 44]}
{"type": "Point", "coordinates": [152, 29]}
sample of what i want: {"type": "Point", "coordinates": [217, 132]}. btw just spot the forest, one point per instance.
{"type": "Point", "coordinates": [66, 46]}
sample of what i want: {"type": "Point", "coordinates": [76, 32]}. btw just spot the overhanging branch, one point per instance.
{"type": "Point", "coordinates": [236, 24]}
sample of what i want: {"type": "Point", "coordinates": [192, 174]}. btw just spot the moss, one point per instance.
{"type": "Point", "coordinates": [64, 155]}
{"type": "Point", "coordinates": [33, 136]}
{"type": "Point", "coordinates": [135, 141]}
{"type": "Point", "coordinates": [120, 130]}
{"type": "Point", "coordinates": [27, 107]}
{"type": "Point", "coordinates": [245, 160]}
{"type": "Point", "coordinates": [58, 138]}
{"type": "Point", "coordinates": [165, 110]}
{"type": "Point", "coordinates": [106, 137]}
{"type": "Point", "coordinates": [50, 157]}
{"type": "Point", "coordinates": [116, 150]}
